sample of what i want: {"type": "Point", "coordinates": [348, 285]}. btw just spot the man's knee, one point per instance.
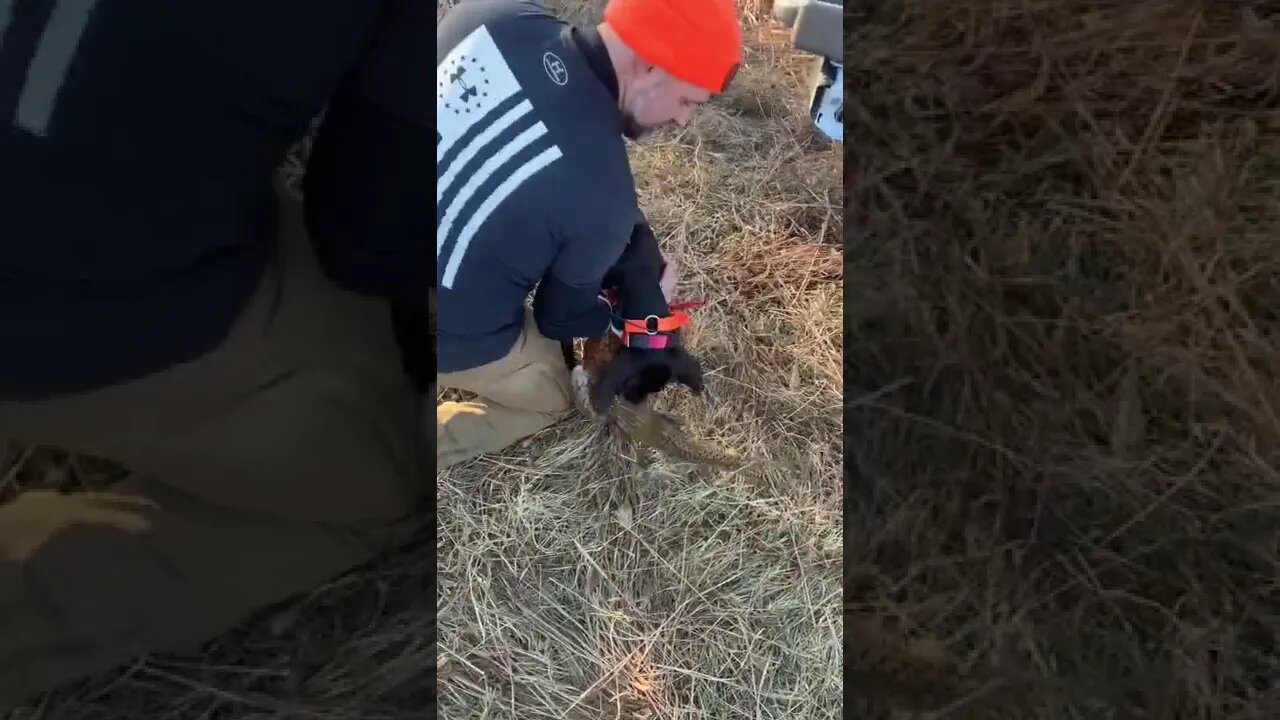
{"type": "Point", "coordinates": [67, 554]}
{"type": "Point", "coordinates": [542, 387]}
{"type": "Point", "coordinates": [316, 446]}
{"type": "Point", "coordinates": [90, 580]}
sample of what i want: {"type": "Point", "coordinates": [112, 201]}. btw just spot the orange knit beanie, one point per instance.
{"type": "Point", "coordinates": [698, 41]}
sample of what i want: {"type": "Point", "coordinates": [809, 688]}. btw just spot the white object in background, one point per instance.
{"type": "Point", "coordinates": [817, 27]}
{"type": "Point", "coordinates": [827, 105]}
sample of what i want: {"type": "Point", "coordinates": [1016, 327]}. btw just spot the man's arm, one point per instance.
{"type": "Point", "coordinates": [568, 304]}
{"type": "Point", "coordinates": [366, 184]}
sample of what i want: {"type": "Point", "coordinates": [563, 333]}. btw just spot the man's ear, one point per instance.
{"type": "Point", "coordinates": [646, 76]}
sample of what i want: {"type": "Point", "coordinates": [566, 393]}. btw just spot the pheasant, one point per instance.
{"type": "Point", "coordinates": [640, 423]}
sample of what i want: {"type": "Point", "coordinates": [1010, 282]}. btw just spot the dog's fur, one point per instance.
{"type": "Point", "coordinates": [633, 373]}
{"type": "Point", "coordinates": [639, 422]}
{"type": "Point", "coordinates": [636, 374]}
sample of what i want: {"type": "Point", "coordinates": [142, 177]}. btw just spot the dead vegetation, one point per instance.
{"type": "Point", "coordinates": [1062, 350]}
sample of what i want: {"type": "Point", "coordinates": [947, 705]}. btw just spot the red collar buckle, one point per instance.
{"type": "Point", "coordinates": [652, 324]}
{"type": "Point", "coordinates": [657, 333]}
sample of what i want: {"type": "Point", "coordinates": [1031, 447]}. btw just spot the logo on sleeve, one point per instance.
{"type": "Point", "coordinates": [555, 68]}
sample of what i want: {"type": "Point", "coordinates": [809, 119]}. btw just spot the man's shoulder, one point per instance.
{"type": "Point", "coordinates": [492, 50]}
{"type": "Point", "coordinates": [506, 76]}
{"type": "Point", "coordinates": [513, 91]}
{"type": "Point", "coordinates": [462, 20]}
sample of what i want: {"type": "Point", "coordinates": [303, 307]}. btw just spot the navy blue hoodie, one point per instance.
{"type": "Point", "coordinates": [138, 142]}
{"type": "Point", "coordinates": [533, 184]}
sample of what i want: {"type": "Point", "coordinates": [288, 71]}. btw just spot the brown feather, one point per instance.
{"type": "Point", "coordinates": [597, 352]}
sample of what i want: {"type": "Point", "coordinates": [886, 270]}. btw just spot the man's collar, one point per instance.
{"type": "Point", "coordinates": [588, 42]}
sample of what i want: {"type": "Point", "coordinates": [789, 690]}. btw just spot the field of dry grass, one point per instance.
{"type": "Point", "coordinates": [1063, 350]}
{"type": "Point", "coordinates": [572, 585]}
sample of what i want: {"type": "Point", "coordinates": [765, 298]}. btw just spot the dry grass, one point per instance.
{"type": "Point", "coordinates": [574, 586]}
{"type": "Point", "coordinates": [1063, 349]}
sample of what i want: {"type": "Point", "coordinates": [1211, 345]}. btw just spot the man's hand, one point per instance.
{"type": "Point", "coordinates": [670, 278]}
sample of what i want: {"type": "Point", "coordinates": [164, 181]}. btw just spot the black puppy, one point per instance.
{"type": "Point", "coordinates": [647, 361]}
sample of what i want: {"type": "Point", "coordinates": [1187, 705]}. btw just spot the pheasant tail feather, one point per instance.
{"type": "Point", "coordinates": [663, 433]}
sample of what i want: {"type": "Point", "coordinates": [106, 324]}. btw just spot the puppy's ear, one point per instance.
{"type": "Point", "coordinates": [653, 376]}
{"type": "Point", "coordinates": [637, 374]}
{"type": "Point", "coordinates": [613, 377]}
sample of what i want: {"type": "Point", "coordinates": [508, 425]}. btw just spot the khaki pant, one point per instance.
{"type": "Point", "coordinates": [519, 395]}
{"type": "Point", "coordinates": [287, 455]}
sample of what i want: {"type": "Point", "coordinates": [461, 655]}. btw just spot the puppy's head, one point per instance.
{"type": "Point", "coordinates": [650, 380]}
{"type": "Point", "coordinates": [635, 374]}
